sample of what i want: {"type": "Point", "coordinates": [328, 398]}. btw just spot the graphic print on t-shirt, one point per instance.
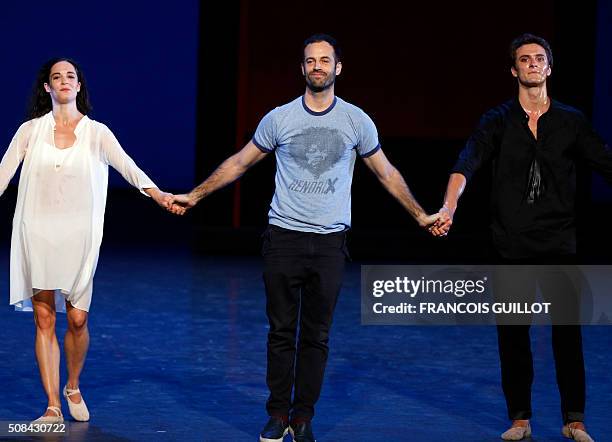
{"type": "Point", "coordinates": [316, 150]}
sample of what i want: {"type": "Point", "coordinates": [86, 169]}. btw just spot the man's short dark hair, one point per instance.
{"type": "Point", "coordinates": [526, 39]}
{"type": "Point", "coordinates": [316, 38]}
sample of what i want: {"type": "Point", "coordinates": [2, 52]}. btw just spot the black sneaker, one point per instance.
{"type": "Point", "coordinates": [275, 430]}
{"type": "Point", "coordinates": [302, 432]}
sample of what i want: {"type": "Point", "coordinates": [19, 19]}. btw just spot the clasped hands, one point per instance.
{"type": "Point", "coordinates": [177, 204]}
{"type": "Point", "coordinates": [437, 224]}
{"type": "Point", "coordinates": [442, 224]}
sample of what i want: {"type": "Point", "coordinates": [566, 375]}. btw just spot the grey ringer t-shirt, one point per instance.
{"type": "Point", "coordinates": [315, 155]}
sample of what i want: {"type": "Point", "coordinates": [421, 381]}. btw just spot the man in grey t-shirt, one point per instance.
{"type": "Point", "coordinates": [316, 139]}
{"type": "Point", "coordinates": [315, 155]}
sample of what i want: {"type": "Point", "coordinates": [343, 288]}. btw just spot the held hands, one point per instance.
{"type": "Point", "coordinates": [445, 220]}
{"type": "Point", "coordinates": [163, 199]}
{"type": "Point", "coordinates": [431, 223]}
{"type": "Point", "coordinates": [427, 221]}
{"type": "Point", "coordinates": [437, 224]}
{"type": "Point", "coordinates": [181, 203]}
{"type": "Point", "coordinates": [177, 204]}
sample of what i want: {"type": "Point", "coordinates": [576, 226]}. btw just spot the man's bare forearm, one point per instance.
{"type": "Point", "coordinates": [454, 189]}
{"type": "Point", "coordinates": [396, 185]}
{"type": "Point", "coordinates": [228, 172]}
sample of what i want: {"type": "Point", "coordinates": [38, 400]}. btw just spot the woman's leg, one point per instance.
{"type": "Point", "coordinates": [47, 348]}
{"type": "Point", "coordinates": [76, 343]}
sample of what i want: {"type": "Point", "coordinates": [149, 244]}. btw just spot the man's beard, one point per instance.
{"type": "Point", "coordinates": [321, 86]}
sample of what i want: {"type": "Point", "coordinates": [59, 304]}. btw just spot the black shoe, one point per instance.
{"type": "Point", "coordinates": [275, 430]}
{"type": "Point", "coordinates": [302, 432]}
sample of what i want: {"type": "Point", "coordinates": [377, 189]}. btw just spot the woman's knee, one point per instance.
{"type": "Point", "coordinates": [45, 318]}
{"type": "Point", "coordinates": [77, 320]}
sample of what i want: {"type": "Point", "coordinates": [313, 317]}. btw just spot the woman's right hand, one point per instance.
{"type": "Point", "coordinates": [181, 203]}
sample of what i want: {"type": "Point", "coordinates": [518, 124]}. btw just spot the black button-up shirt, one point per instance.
{"type": "Point", "coordinates": [546, 226]}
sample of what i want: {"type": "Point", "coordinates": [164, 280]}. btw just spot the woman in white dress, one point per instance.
{"type": "Point", "coordinates": [59, 216]}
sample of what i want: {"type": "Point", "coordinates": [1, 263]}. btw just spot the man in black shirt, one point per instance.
{"type": "Point", "coordinates": [534, 144]}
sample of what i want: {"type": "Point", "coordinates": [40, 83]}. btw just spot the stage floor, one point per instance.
{"type": "Point", "coordinates": [178, 354]}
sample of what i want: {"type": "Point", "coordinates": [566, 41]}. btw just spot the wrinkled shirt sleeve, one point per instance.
{"type": "Point", "coordinates": [481, 146]}
{"type": "Point", "coordinates": [114, 155]}
{"type": "Point", "coordinates": [593, 149]}
{"type": "Point", "coordinates": [14, 155]}
{"type": "Point", "coordinates": [368, 137]}
{"type": "Point", "coordinates": [266, 134]}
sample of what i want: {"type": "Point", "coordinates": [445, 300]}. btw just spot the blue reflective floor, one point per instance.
{"type": "Point", "coordinates": [178, 354]}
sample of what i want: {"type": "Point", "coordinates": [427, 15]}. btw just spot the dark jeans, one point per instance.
{"type": "Point", "coordinates": [517, 362]}
{"type": "Point", "coordinates": [302, 275]}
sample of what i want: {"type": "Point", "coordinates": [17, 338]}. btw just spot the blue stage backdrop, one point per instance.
{"type": "Point", "coordinates": [140, 61]}
{"type": "Point", "coordinates": [602, 101]}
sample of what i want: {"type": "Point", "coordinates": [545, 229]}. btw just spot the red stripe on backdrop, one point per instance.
{"type": "Point", "coordinates": [242, 100]}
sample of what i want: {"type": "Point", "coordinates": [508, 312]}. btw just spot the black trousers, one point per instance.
{"type": "Point", "coordinates": [302, 275]}
{"type": "Point", "coordinates": [517, 369]}
{"type": "Point", "coordinates": [515, 344]}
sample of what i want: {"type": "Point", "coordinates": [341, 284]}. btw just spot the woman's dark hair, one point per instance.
{"type": "Point", "coordinates": [526, 39]}
{"type": "Point", "coordinates": [40, 101]}
{"type": "Point", "coordinates": [316, 38]}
